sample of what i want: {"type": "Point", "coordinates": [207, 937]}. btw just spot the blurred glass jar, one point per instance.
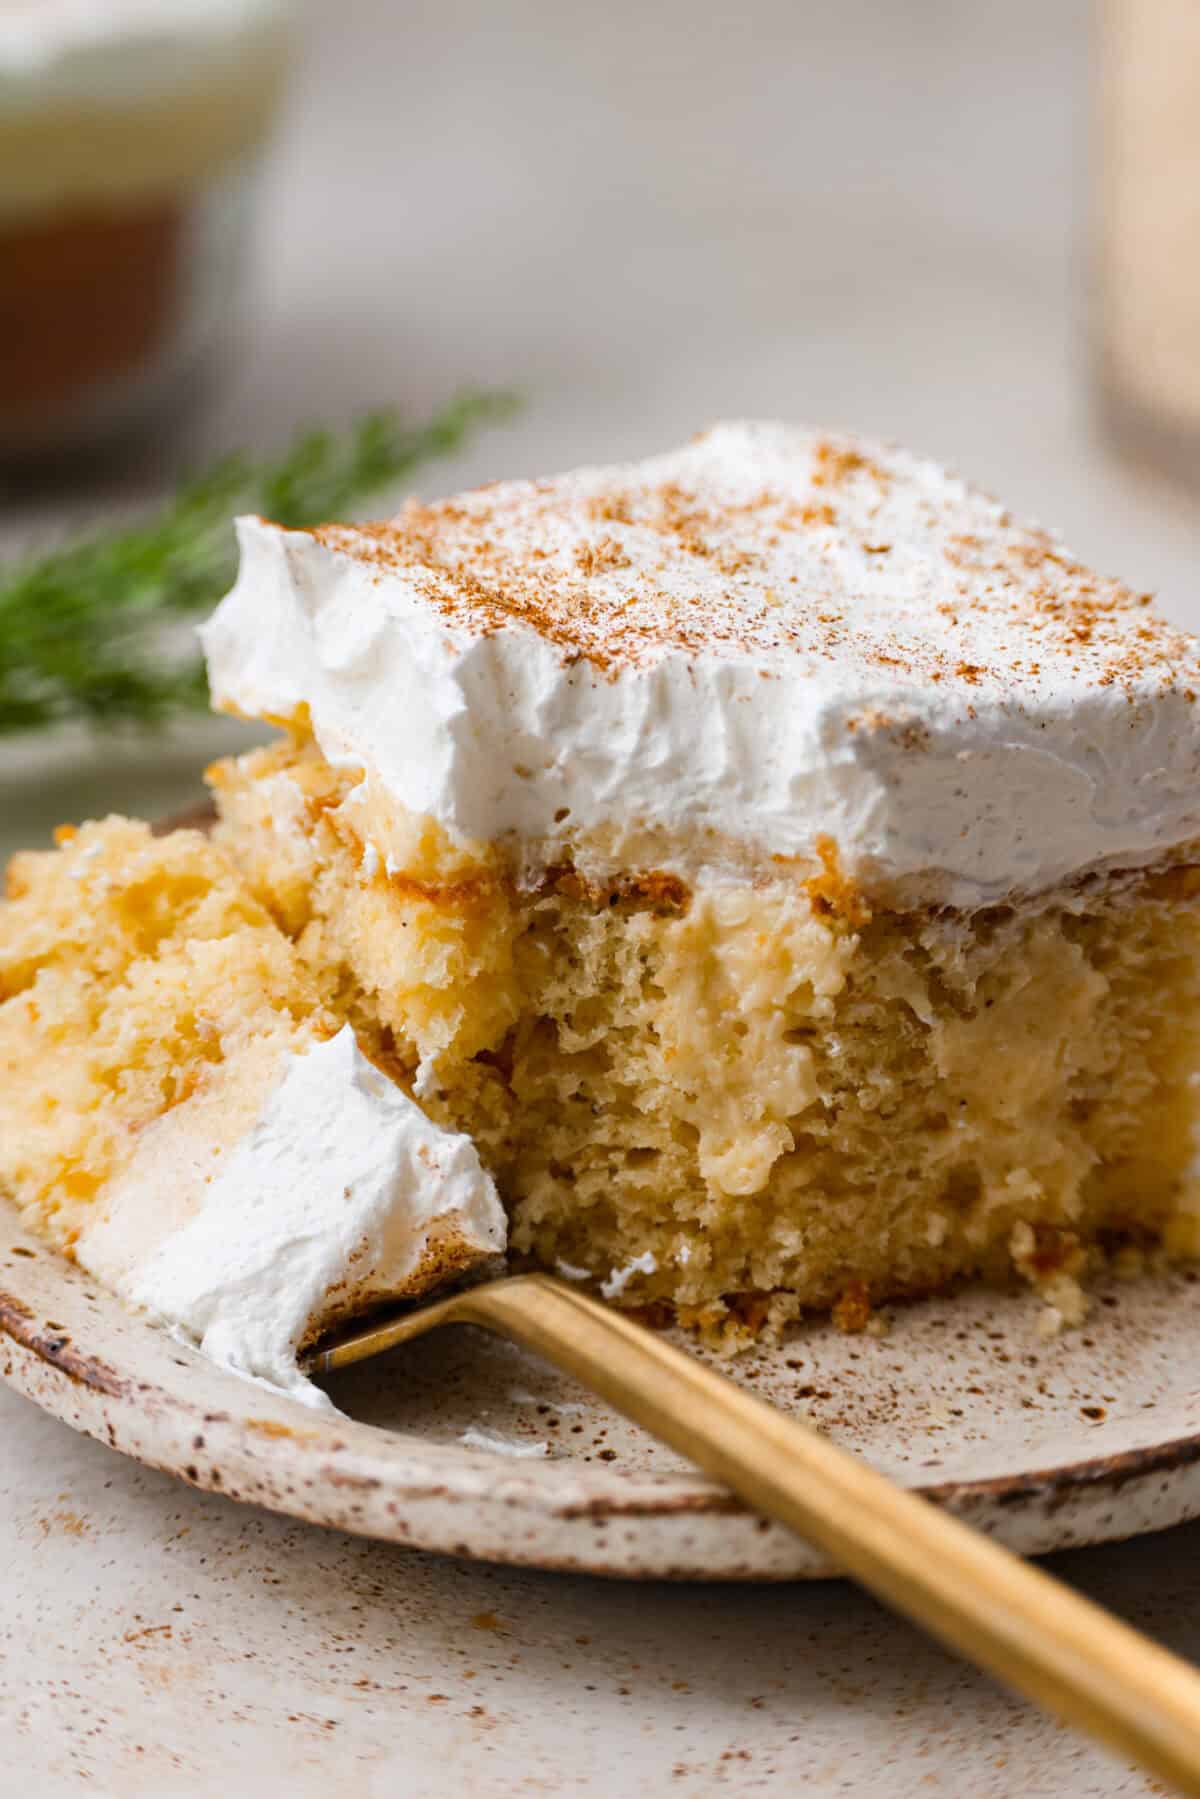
{"type": "Point", "coordinates": [129, 133]}
{"type": "Point", "coordinates": [1148, 324]}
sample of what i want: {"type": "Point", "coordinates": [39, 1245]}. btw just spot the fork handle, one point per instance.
{"type": "Point", "coordinates": [1066, 1654]}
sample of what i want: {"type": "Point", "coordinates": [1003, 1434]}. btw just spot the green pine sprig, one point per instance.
{"type": "Point", "coordinates": [82, 630]}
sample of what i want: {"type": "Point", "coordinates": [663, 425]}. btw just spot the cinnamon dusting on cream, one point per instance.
{"type": "Point", "coordinates": [621, 567]}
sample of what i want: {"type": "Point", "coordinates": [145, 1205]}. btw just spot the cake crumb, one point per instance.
{"type": "Point", "coordinates": [1051, 1260]}
{"type": "Point", "coordinates": [832, 891]}
{"type": "Point", "coordinates": [852, 1313]}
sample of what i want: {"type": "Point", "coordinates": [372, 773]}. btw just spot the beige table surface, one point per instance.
{"type": "Point", "coordinates": [647, 218]}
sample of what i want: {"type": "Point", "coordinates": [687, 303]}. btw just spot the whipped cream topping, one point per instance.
{"type": "Point", "coordinates": [106, 50]}
{"type": "Point", "coordinates": [127, 106]}
{"type": "Point", "coordinates": [342, 1193]}
{"type": "Point", "coordinates": [766, 640]}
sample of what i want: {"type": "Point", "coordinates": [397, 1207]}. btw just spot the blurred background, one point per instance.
{"type": "Point", "coordinates": [897, 217]}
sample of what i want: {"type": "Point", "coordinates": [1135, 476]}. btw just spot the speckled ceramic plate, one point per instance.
{"type": "Point", "coordinates": [466, 1444]}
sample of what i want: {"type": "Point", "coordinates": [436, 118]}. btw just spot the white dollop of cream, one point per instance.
{"type": "Point", "coordinates": [619, 1279]}
{"type": "Point", "coordinates": [864, 649]}
{"type": "Point", "coordinates": [332, 1200]}
{"type": "Point", "coordinates": [479, 1437]}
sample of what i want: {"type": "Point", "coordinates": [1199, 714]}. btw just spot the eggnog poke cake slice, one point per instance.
{"type": "Point", "coordinates": [183, 1115]}
{"type": "Point", "coordinates": [782, 864]}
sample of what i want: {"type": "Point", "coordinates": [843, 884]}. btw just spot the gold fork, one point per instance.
{"type": "Point", "coordinates": [1037, 1635]}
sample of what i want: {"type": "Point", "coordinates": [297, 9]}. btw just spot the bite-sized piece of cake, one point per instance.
{"type": "Point", "coordinates": [181, 1112]}
{"type": "Point", "coordinates": [780, 862]}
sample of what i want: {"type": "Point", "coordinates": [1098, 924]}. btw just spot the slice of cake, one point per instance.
{"type": "Point", "coordinates": [781, 863]}
{"type": "Point", "coordinates": [182, 1113]}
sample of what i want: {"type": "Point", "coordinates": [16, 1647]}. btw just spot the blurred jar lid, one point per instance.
{"type": "Point", "coordinates": [101, 97]}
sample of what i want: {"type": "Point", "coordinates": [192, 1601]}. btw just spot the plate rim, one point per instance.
{"type": "Point", "coordinates": [400, 1486]}
{"type": "Point", "coordinates": [655, 1495]}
